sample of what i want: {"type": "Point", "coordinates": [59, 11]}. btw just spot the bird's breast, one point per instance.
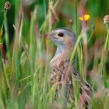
{"type": "Point", "coordinates": [60, 72]}
{"type": "Point", "coordinates": [57, 70]}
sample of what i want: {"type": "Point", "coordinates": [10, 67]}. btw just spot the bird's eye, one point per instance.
{"type": "Point", "coordinates": [60, 34]}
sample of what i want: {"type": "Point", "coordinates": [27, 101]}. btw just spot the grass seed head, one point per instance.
{"type": "Point", "coordinates": [7, 6]}
{"type": "Point", "coordinates": [106, 19]}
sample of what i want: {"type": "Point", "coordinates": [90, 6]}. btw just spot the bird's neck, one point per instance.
{"type": "Point", "coordinates": [60, 51]}
{"type": "Point", "coordinates": [62, 54]}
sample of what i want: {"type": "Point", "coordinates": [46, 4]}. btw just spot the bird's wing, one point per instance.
{"type": "Point", "coordinates": [84, 84]}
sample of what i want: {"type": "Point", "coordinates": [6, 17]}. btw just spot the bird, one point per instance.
{"type": "Point", "coordinates": [61, 74]}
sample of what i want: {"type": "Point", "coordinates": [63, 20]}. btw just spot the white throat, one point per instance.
{"type": "Point", "coordinates": [61, 54]}
{"type": "Point", "coordinates": [59, 51]}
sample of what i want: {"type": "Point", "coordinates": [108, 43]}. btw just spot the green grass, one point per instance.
{"type": "Point", "coordinates": [24, 71]}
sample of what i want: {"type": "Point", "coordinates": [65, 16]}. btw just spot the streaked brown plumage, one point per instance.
{"type": "Point", "coordinates": [61, 70]}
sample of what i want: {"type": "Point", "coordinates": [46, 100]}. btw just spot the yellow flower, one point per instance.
{"type": "Point", "coordinates": [85, 17]}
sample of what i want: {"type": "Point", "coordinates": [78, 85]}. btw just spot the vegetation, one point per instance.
{"type": "Point", "coordinates": [25, 50]}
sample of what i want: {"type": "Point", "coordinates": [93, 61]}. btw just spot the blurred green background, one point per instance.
{"type": "Point", "coordinates": [26, 65]}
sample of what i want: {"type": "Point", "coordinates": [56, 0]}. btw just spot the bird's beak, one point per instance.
{"type": "Point", "coordinates": [49, 36]}
{"type": "Point", "coordinates": [53, 35]}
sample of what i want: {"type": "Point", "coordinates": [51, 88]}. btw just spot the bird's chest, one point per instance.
{"type": "Point", "coordinates": [58, 71]}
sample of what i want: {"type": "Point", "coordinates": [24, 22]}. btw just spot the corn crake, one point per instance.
{"type": "Point", "coordinates": [61, 73]}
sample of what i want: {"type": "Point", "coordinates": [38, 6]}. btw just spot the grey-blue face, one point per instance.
{"type": "Point", "coordinates": [63, 37]}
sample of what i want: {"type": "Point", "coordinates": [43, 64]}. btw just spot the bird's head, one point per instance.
{"type": "Point", "coordinates": [63, 37]}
